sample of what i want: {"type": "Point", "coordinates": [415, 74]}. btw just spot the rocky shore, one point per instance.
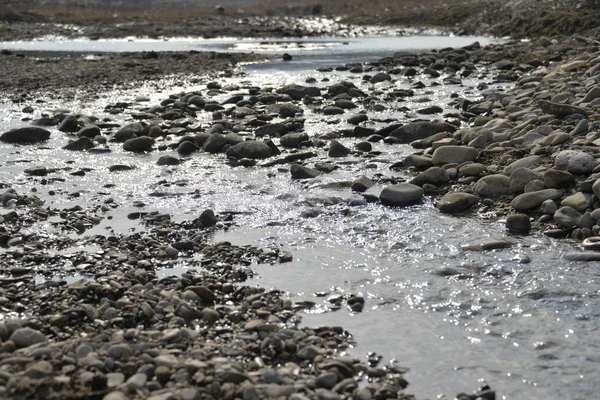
{"type": "Point", "coordinates": [528, 154]}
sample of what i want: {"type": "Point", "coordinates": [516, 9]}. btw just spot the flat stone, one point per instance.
{"type": "Point", "coordinates": [492, 185]}
{"type": "Point", "coordinates": [578, 201]}
{"type": "Point", "coordinates": [301, 172]}
{"type": "Point", "coordinates": [560, 110]}
{"type": "Point", "coordinates": [518, 223]}
{"type": "Point", "coordinates": [433, 176]}
{"type": "Point", "coordinates": [576, 162]}
{"type": "Point", "coordinates": [26, 135]}
{"type": "Point", "coordinates": [526, 162]}
{"type": "Point", "coordinates": [567, 217]}
{"type": "Point", "coordinates": [456, 202]}
{"type": "Point", "coordinates": [25, 337]}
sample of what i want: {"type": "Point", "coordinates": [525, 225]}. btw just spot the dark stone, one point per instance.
{"type": "Point", "coordinates": [26, 135]}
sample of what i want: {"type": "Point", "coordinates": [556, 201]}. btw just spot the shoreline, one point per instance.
{"type": "Point", "coordinates": [503, 128]}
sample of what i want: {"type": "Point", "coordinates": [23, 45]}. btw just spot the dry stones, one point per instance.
{"type": "Point", "coordinates": [25, 337]}
{"type": "Point", "coordinates": [528, 201]}
{"type": "Point", "coordinates": [578, 201]}
{"type": "Point", "coordinates": [567, 217]}
{"type": "Point", "coordinates": [402, 194]}
{"type": "Point", "coordinates": [493, 185]}
{"type": "Point", "coordinates": [527, 162]}
{"type": "Point", "coordinates": [454, 154]}
{"type": "Point", "coordinates": [576, 162]}
{"type": "Point", "coordinates": [560, 110]}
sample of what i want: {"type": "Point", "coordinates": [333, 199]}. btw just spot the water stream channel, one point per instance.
{"type": "Point", "coordinates": [455, 317]}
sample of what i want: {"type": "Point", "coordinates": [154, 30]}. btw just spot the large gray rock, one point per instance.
{"type": "Point", "coordinates": [454, 154]}
{"type": "Point", "coordinates": [129, 131]}
{"type": "Point", "coordinates": [420, 130]}
{"type": "Point", "coordinates": [402, 194]}
{"type": "Point", "coordinates": [557, 179]}
{"type": "Point", "coordinates": [528, 201]}
{"type": "Point", "coordinates": [276, 129]}
{"type": "Point", "coordinates": [596, 188]}
{"type": "Point", "coordinates": [567, 217]}
{"type": "Point", "coordinates": [576, 162]}
{"type": "Point", "coordinates": [433, 176]}
{"type": "Point", "coordinates": [294, 139]}
{"type": "Point", "coordinates": [493, 185]}
{"type": "Point", "coordinates": [518, 223]}
{"type": "Point", "coordinates": [252, 149]}
{"type": "Point", "coordinates": [25, 337]}
{"type": "Point", "coordinates": [69, 124]}
{"type": "Point", "coordinates": [336, 149]}
{"type": "Point", "coordinates": [456, 202]}
{"type": "Point", "coordinates": [302, 172]}
{"type": "Point", "coordinates": [139, 144]}
{"type": "Point", "coordinates": [417, 161]}
{"type": "Point", "coordinates": [90, 131]}
{"type": "Point", "coordinates": [26, 135]}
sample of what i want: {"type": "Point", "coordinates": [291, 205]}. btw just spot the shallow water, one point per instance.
{"type": "Point", "coordinates": [455, 317]}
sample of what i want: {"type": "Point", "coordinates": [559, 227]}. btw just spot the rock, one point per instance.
{"type": "Point", "coordinates": [214, 143]}
{"type": "Point", "coordinates": [380, 77]}
{"type": "Point", "coordinates": [417, 161]}
{"type": "Point", "coordinates": [25, 337]}
{"type": "Point", "coordinates": [454, 154]}
{"type": "Point", "coordinates": [586, 256]}
{"type": "Point", "coordinates": [419, 130]}
{"type": "Point", "coordinates": [493, 185]}
{"type": "Point", "coordinates": [528, 201]}
{"type": "Point", "coordinates": [336, 149]}
{"type": "Point", "coordinates": [307, 353]}
{"type": "Point", "coordinates": [472, 169]}
{"type": "Point", "coordinates": [526, 162]}
{"type": "Point", "coordinates": [576, 162]}
{"type": "Point", "coordinates": [430, 110]}
{"type": "Point", "coordinates": [69, 124]}
{"type": "Point", "coordinates": [272, 130]}
{"type": "Point", "coordinates": [518, 223]}
{"type": "Point", "coordinates": [520, 177]}
{"type": "Point", "coordinates": [434, 176]}
{"type": "Point", "coordinates": [456, 202]}
{"type": "Point", "coordinates": [298, 92]}
{"type": "Point", "coordinates": [548, 207]}
{"type": "Point", "coordinates": [252, 149]}
{"type": "Point", "coordinates": [26, 135]}
{"type": "Point", "coordinates": [301, 172]}
{"type": "Point", "coordinates": [362, 184]}
{"type": "Point", "coordinates": [596, 188]}
{"type": "Point", "coordinates": [139, 144]}
{"type": "Point", "coordinates": [81, 144]}
{"type": "Point", "coordinates": [560, 110]}
{"type": "Point", "coordinates": [557, 179]}
{"type": "Point", "coordinates": [294, 139]}
{"type": "Point", "coordinates": [333, 110]}
{"type": "Point", "coordinates": [358, 118]}
{"type": "Point", "coordinates": [168, 160]}
{"type": "Point", "coordinates": [186, 148]}
{"type": "Point", "coordinates": [402, 194]}
{"type": "Point", "coordinates": [578, 201]}
{"type": "Point", "coordinates": [567, 217]}
{"type": "Point", "coordinates": [208, 218]}
{"type": "Point", "coordinates": [129, 131]}
{"type": "Point", "coordinates": [89, 131]}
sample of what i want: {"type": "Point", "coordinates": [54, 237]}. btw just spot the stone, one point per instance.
{"type": "Point", "coordinates": [69, 124]}
{"type": "Point", "coordinates": [89, 131]}
{"type": "Point", "coordinates": [307, 353]}
{"type": "Point", "coordinates": [81, 144]}
{"type": "Point", "coordinates": [362, 184]}
{"type": "Point", "coordinates": [433, 175]}
{"type": "Point", "coordinates": [168, 160]}
{"type": "Point", "coordinates": [26, 135]}
{"type": "Point", "coordinates": [186, 148]}
{"type": "Point", "coordinates": [567, 217]}
{"type": "Point", "coordinates": [518, 223]}
{"type": "Point", "coordinates": [520, 177]}
{"type": "Point", "coordinates": [456, 202]}
{"type": "Point", "coordinates": [578, 201]}
{"type": "Point", "coordinates": [402, 194]}
{"type": "Point", "coordinates": [557, 179]}
{"type": "Point", "coordinates": [137, 381]}
{"type": "Point", "coordinates": [25, 337]}
{"type": "Point", "coordinates": [252, 149]}
{"type": "Point", "coordinates": [454, 155]}
{"type": "Point", "coordinates": [530, 200]}
{"type": "Point", "coordinates": [596, 188]}
{"type": "Point", "coordinates": [419, 130]}
{"type": "Point", "coordinates": [332, 110]}
{"type": "Point", "coordinates": [120, 351]}
{"type": "Point", "coordinates": [493, 185]}
{"type": "Point", "coordinates": [576, 162]}
{"type": "Point", "coordinates": [417, 161]}
{"type": "Point", "coordinates": [336, 149]}
{"type": "Point", "coordinates": [298, 92]}
{"type": "Point", "coordinates": [139, 144]}
{"type": "Point", "coordinates": [294, 139]}
{"type": "Point", "coordinates": [302, 172]}
{"type": "Point", "coordinates": [534, 186]}
{"type": "Point", "coordinates": [272, 130]}
{"type": "Point", "coordinates": [554, 139]}
{"type": "Point", "coordinates": [214, 143]}
{"type": "Point", "coordinates": [472, 169]}
{"type": "Point", "coordinates": [560, 110]}
{"type": "Point", "coordinates": [548, 207]}
{"type": "Point", "coordinates": [526, 162]}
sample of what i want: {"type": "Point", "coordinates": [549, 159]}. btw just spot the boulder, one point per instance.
{"type": "Point", "coordinates": [578, 201]}
{"type": "Point", "coordinates": [336, 149]}
{"type": "Point", "coordinates": [214, 143]}
{"type": "Point", "coordinates": [294, 139]}
{"type": "Point", "coordinates": [518, 223]}
{"type": "Point", "coordinates": [252, 149]}
{"type": "Point", "coordinates": [90, 131]}
{"type": "Point", "coordinates": [567, 217]}
{"type": "Point", "coordinates": [298, 92]}
{"type": "Point", "coordinates": [69, 124]}
{"type": "Point", "coordinates": [433, 176]}
{"type": "Point", "coordinates": [576, 162]}
{"type": "Point", "coordinates": [420, 130]}
{"type": "Point", "coordinates": [81, 144]}
{"type": "Point", "coordinates": [139, 144]}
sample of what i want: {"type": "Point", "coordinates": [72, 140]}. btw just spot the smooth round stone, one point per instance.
{"type": "Point", "coordinates": [336, 149]}
{"type": "Point", "coordinates": [456, 202]}
{"type": "Point", "coordinates": [549, 207]}
{"type": "Point", "coordinates": [454, 154]}
{"type": "Point", "coordinates": [114, 379]}
{"type": "Point", "coordinates": [590, 256]}
{"type": "Point", "coordinates": [567, 217]}
{"type": "Point", "coordinates": [120, 351]}
{"type": "Point", "coordinates": [433, 175]}
{"type": "Point", "coordinates": [492, 185]}
{"type": "Point", "coordinates": [307, 353]}
{"type": "Point", "coordinates": [530, 200]}
{"type": "Point", "coordinates": [578, 201]}
{"type": "Point", "coordinates": [139, 144]}
{"type": "Point", "coordinates": [576, 162]}
{"type": "Point", "coordinates": [402, 194]}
